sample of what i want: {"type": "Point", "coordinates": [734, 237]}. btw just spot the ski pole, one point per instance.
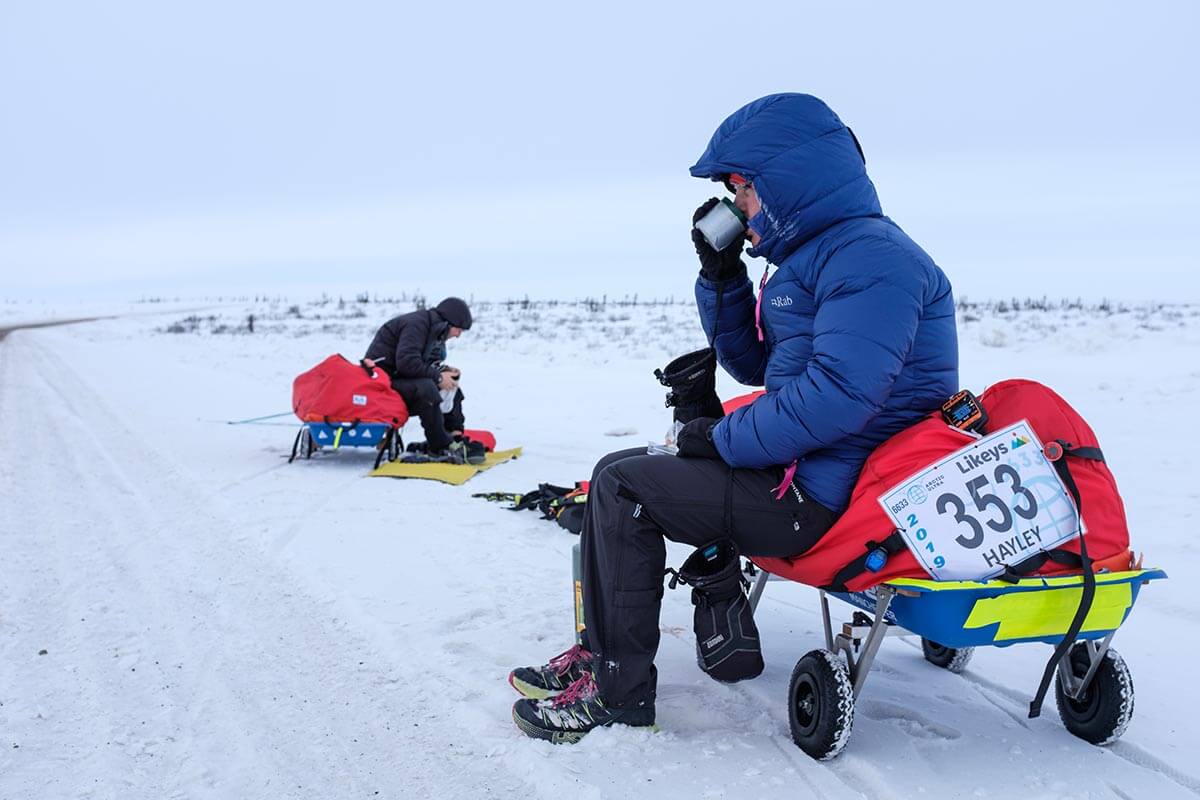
{"type": "Point", "coordinates": [256, 419]}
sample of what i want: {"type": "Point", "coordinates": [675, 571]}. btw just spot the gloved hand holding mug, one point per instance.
{"type": "Point", "coordinates": [716, 265]}
{"type": "Point", "coordinates": [695, 439]}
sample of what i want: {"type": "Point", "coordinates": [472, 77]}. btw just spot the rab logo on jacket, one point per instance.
{"type": "Point", "coordinates": [780, 302]}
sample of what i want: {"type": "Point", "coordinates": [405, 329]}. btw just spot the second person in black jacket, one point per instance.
{"type": "Point", "coordinates": [411, 348]}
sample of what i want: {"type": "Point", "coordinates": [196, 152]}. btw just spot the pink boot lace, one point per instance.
{"type": "Point", "coordinates": [564, 661]}
{"type": "Point", "coordinates": [582, 688]}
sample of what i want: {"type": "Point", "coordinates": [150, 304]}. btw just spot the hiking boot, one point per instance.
{"type": "Point", "coordinates": [425, 456]}
{"type": "Point", "coordinates": [470, 452]}
{"type": "Point", "coordinates": [567, 718]}
{"type": "Point", "coordinates": [540, 683]}
{"type": "Point", "coordinates": [419, 452]}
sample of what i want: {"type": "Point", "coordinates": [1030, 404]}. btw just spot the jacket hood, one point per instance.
{"type": "Point", "coordinates": [806, 167]}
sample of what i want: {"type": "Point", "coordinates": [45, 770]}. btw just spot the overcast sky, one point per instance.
{"type": "Point", "coordinates": [146, 146]}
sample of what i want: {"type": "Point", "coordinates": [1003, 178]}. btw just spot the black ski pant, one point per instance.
{"type": "Point", "coordinates": [634, 501]}
{"type": "Point", "coordinates": [423, 399]}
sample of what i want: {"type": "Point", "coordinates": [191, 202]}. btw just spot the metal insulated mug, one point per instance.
{"type": "Point", "coordinates": [722, 225]}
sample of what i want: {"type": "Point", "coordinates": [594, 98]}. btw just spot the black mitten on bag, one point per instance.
{"type": "Point", "coordinates": [694, 440]}
{"type": "Point", "coordinates": [692, 379]}
{"type": "Point", "coordinates": [727, 643]}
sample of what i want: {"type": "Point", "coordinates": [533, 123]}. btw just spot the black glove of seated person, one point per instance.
{"type": "Point", "coordinates": [716, 265]}
{"type": "Point", "coordinates": [695, 439]}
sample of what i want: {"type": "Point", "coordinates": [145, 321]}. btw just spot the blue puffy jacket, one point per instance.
{"type": "Point", "coordinates": [859, 332]}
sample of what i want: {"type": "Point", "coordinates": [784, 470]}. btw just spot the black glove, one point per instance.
{"type": "Point", "coordinates": [716, 265]}
{"type": "Point", "coordinates": [695, 439]}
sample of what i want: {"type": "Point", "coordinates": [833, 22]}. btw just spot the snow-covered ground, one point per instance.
{"type": "Point", "coordinates": [184, 614]}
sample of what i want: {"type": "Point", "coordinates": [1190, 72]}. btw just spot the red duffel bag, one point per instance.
{"type": "Point", "coordinates": [338, 390]}
{"type": "Point", "coordinates": [839, 559]}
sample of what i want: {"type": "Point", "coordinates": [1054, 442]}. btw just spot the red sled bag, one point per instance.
{"type": "Point", "coordinates": [337, 390]}
{"type": "Point", "coordinates": [838, 561]}
{"type": "Point", "coordinates": [485, 438]}
{"type": "Point", "coordinates": [729, 406]}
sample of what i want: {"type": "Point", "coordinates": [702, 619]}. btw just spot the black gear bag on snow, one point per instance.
{"type": "Point", "coordinates": [565, 505]}
{"type": "Point", "coordinates": [727, 642]}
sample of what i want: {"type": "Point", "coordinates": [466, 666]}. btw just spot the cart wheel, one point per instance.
{"type": "Point", "coordinates": [821, 704]}
{"type": "Point", "coordinates": [951, 658]}
{"type": "Point", "coordinates": [307, 445]}
{"type": "Point", "coordinates": [1101, 715]}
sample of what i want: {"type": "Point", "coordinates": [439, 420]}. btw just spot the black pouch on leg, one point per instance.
{"type": "Point", "coordinates": [727, 642]}
{"type": "Point", "coordinates": [692, 379]}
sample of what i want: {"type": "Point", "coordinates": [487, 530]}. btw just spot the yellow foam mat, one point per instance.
{"type": "Point", "coordinates": [456, 474]}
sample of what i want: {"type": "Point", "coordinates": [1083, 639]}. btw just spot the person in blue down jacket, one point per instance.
{"type": "Point", "coordinates": [853, 337]}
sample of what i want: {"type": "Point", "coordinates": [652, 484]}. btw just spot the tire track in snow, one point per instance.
{"type": "Point", "coordinates": [1014, 705]}
{"type": "Point", "coordinates": [1010, 702]}
{"type": "Point", "coordinates": [820, 777]}
{"type": "Point", "coordinates": [43, 607]}
{"type": "Point", "coordinates": [1140, 758]}
{"type": "Point", "coordinates": [125, 562]}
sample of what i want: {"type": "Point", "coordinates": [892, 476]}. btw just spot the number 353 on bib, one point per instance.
{"type": "Point", "coordinates": [991, 504]}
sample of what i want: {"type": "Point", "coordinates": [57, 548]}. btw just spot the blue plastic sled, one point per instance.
{"type": "Point", "coordinates": [314, 436]}
{"type": "Point", "coordinates": [1092, 685]}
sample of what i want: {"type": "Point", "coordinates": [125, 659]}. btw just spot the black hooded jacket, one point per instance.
{"type": "Point", "coordinates": [411, 345]}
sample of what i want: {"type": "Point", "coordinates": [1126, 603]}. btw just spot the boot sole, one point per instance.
{"type": "Point", "coordinates": [563, 737]}
{"type": "Point", "coordinates": [529, 691]}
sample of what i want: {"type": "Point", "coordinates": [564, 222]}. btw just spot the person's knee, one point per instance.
{"type": "Point", "coordinates": [602, 501]}
{"type": "Point", "coordinates": [604, 483]}
{"type": "Point", "coordinates": [425, 393]}
{"type": "Point", "coordinates": [628, 474]}
{"type": "Point", "coordinates": [601, 465]}
{"type": "Point", "coordinates": [633, 473]}
{"type": "Point", "coordinates": [610, 484]}
{"type": "Point", "coordinates": [610, 459]}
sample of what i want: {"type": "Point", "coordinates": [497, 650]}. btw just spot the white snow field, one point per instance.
{"type": "Point", "coordinates": [185, 615]}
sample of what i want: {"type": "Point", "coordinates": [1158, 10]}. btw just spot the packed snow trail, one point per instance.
{"type": "Point", "coordinates": [221, 624]}
{"type": "Point", "coordinates": [5, 330]}
{"type": "Point", "coordinates": [178, 661]}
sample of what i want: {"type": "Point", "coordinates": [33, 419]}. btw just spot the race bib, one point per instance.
{"type": "Point", "coordinates": [993, 503]}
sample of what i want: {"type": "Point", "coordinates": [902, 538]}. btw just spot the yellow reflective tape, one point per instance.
{"type": "Point", "coordinates": [1048, 613]}
{"type": "Point", "coordinates": [1024, 583]}
{"type": "Point", "coordinates": [579, 626]}
{"type": "Point", "coordinates": [337, 438]}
